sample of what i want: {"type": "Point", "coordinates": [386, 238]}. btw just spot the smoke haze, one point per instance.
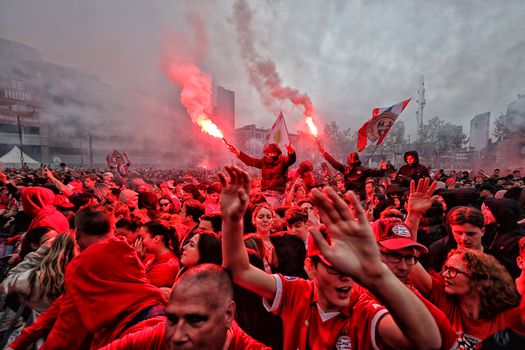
{"type": "Point", "coordinates": [348, 56]}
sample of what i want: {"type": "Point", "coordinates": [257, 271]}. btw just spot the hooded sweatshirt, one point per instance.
{"type": "Point", "coordinates": [106, 290]}
{"type": "Point", "coordinates": [414, 172]}
{"type": "Point", "coordinates": [38, 203]}
{"type": "Point", "coordinates": [501, 239]}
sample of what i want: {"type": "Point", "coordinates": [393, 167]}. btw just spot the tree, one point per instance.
{"type": "Point", "coordinates": [499, 127]}
{"type": "Point", "coordinates": [342, 140]}
{"type": "Point", "coordinates": [437, 137]}
{"type": "Point", "coordinates": [394, 140]}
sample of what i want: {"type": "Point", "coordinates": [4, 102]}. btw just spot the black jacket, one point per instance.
{"type": "Point", "coordinates": [355, 174]}
{"type": "Point", "coordinates": [414, 172]}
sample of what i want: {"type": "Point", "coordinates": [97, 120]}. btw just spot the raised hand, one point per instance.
{"type": "Point", "coordinates": [233, 149]}
{"type": "Point", "coordinates": [48, 173]}
{"type": "Point", "coordinates": [320, 147]}
{"type": "Point", "coordinates": [235, 193]}
{"type": "Point", "coordinates": [289, 148]}
{"type": "Point", "coordinates": [351, 246]}
{"type": "Point", "coordinates": [139, 247]}
{"type": "Point", "coordinates": [420, 198]}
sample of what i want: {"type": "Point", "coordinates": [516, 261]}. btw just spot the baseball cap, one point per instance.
{"type": "Point", "coordinates": [395, 235]}
{"type": "Point", "coordinates": [313, 249]}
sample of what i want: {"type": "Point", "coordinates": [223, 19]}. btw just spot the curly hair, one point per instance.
{"type": "Point", "coordinates": [50, 274]}
{"type": "Point", "coordinates": [497, 290]}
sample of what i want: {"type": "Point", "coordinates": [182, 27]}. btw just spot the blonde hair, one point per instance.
{"type": "Point", "coordinates": [50, 274]}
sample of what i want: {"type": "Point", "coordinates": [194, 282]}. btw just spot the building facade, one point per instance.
{"type": "Point", "coordinates": [479, 131]}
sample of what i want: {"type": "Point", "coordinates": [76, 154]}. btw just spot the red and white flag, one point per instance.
{"type": "Point", "coordinates": [279, 132]}
{"type": "Point", "coordinates": [375, 130]}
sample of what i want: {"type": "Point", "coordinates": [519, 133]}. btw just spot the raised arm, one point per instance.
{"type": "Point", "coordinates": [234, 201]}
{"type": "Point", "coordinates": [127, 158]}
{"type": "Point", "coordinates": [353, 251]}
{"type": "Point", "coordinates": [419, 201]}
{"type": "Point", "coordinates": [66, 191]}
{"type": "Point", "coordinates": [292, 157]}
{"type": "Point", "coordinates": [334, 163]}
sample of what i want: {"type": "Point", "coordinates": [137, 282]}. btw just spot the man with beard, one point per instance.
{"type": "Point", "coordinates": [274, 170]}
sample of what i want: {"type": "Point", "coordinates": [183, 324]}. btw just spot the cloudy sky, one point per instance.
{"type": "Point", "coordinates": [348, 56]}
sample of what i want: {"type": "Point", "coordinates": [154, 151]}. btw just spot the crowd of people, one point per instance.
{"type": "Point", "coordinates": [290, 256]}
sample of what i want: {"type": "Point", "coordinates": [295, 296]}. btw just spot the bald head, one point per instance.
{"type": "Point", "coordinates": [205, 277]}
{"type": "Point", "coordinates": [200, 309]}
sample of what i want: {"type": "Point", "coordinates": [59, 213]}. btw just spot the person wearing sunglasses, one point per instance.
{"type": "Point", "coordinates": [165, 205]}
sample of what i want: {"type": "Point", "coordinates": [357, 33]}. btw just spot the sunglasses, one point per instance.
{"type": "Point", "coordinates": [164, 204]}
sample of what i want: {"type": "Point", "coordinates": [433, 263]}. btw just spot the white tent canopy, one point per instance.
{"type": "Point", "coordinates": [13, 157]}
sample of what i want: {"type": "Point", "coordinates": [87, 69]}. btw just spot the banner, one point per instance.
{"type": "Point", "coordinates": [375, 130]}
{"type": "Point", "coordinates": [279, 132]}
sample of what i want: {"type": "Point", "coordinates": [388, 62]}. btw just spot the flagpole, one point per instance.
{"type": "Point", "coordinates": [371, 154]}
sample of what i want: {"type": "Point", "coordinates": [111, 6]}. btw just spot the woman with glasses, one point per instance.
{"type": "Point", "coordinates": [475, 292]}
{"type": "Point", "coordinates": [165, 205]}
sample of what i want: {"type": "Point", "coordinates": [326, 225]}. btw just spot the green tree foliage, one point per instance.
{"type": "Point", "coordinates": [499, 127]}
{"type": "Point", "coordinates": [341, 141]}
{"type": "Point", "coordinates": [437, 137]}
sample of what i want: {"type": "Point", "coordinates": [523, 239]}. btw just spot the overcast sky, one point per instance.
{"type": "Point", "coordinates": [348, 56]}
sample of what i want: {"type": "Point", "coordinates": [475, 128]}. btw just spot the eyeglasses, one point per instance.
{"type": "Point", "coordinates": [164, 204]}
{"type": "Point", "coordinates": [410, 260]}
{"type": "Point", "coordinates": [453, 272]}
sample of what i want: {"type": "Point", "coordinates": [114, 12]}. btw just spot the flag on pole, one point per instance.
{"type": "Point", "coordinates": [375, 130]}
{"type": "Point", "coordinates": [279, 132]}
{"type": "Point", "coordinates": [114, 154]}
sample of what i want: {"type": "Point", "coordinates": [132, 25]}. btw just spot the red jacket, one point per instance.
{"type": "Point", "coordinates": [38, 203]}
{"type": "Point", "coordinates": [106, 288]}
{"type": "Point", "coordinates": [274, 173]}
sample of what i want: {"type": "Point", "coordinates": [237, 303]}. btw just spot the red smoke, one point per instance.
{"type": "Point", "coordinates": [263, 73]}
{"type": "Point", "coordinates": [179, 64]}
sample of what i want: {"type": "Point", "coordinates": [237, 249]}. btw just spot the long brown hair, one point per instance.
{"type": "Point", "coordinates": [50, 274]}
{"type": "Point", "coordinates": [494, 284]}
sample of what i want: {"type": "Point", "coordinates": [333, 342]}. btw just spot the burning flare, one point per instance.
{"type": "Point", "coordinates": [310, 122]}
{"type": "Point", "coordinates": [208, 126]}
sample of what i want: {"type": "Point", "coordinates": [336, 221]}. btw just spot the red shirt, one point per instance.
{"type": "Point", "coordinates": [471, 332]}
{"type": "Point", "coordinates": [162, 272]}
{"type": "Point", "coordinates": [153, 338]}
{"type": "Point", "coordinates": [306, 326]}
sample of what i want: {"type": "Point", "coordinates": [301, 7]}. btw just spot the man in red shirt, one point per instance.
{"type": "Point", "coordinates": [327, 312]}
{"type": "Point", "coordinates": [399, 252]}
{"type": "Point", "coordinates": [199, 315]}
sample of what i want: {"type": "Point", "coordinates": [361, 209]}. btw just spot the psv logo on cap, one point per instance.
{"type": "Point", "coordinates": [343, 343]}
{"type": "Point", "coordinates": [401, 231]}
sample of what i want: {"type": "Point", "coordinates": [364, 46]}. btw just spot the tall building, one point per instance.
{"type": "Point", "coordinates": [479, 131]}
{"type": "Point", "coordinates": [225, 109]}
{"type": "Point", "coordinates": [62, 114]}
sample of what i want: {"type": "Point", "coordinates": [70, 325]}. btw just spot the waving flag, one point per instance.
{"type": "Point", "coordinates": [279, 132]}
{"type": "Point", "coordinates": [376, 129]}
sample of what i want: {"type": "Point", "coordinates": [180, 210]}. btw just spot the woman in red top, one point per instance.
{"type": "Point", "coordinates": [475, 292]}
{"type": "Point", "coordinates": [158, 239]}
